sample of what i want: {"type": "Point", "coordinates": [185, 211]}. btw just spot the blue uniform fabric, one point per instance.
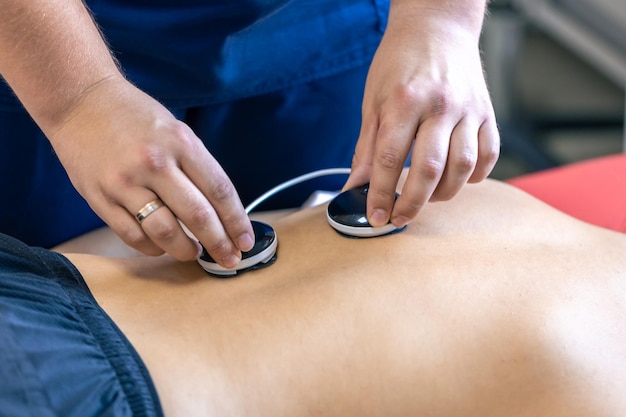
{"type": "Point", "coordinates": [61, 354]}
{"type": "Point", "coordinates": [272, 87]}
{"type": "Point", "coordinates": [222, 50]}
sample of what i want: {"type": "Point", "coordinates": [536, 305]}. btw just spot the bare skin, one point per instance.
{"type": "Point", "coordinates": [491, 304]}
{"type": "Point", "coordinates": [122, 149]}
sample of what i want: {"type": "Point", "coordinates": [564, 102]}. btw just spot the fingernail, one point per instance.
{"type": "Point", "coordinates": [245, 242]}
{"type": "Point", "coordinates": [379, 218]}
{"type": "Point", "coordinates": [231, 261]}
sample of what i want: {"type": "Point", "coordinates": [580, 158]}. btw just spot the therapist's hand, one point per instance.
{"type": "Point", "coordinates": [122, 149]}
{"type": "Point", "coordinates": [425, 91]}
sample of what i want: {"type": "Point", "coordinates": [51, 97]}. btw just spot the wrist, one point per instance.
{"type": "Point", "coordinates": [64, 109]}
{"type": "Point", "coordinates": [87, 107]}
{"type": "Point", "coordinates": [429, 18]}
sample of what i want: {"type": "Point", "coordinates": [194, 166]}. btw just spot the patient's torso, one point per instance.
{"type": "Point", "coordinates": [490, 304]}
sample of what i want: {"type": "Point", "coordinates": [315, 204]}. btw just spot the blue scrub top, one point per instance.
{"type": "Point", "coordinates": [201, 52]}
{"type": "Point", "coordinates": [198, 52]}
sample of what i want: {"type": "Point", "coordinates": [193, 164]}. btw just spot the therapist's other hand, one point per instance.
{"type": "Point", "coordinates": [425, 91]}
{"type": "Point", "coordinates": [123, 149]}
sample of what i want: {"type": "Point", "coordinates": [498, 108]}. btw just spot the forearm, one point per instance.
{"type": "Point", "coordinates": [51, 54]}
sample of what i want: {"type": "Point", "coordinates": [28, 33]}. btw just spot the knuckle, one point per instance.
{"type": "Point", "coordinates": [235, 224]}
{"type": "Point", "coordinates": [441, 102]}
{"type": "Point", "coordinates": [163, 232]}
{"type": "Point", "coordinates": [409, 94]}
{"type": "Point", "coordinates": [490, 155]}
{"type": "Point", "coordinates": [183, 137]}
{"type": "Point", "coordinates": [133, 238]}
{"type": "Point", "coordinates": [430, 169]}
{"type": "Point", "coordinates": [220, 249]}
{"type": "Point", "coordinates": [464, 162]}
{"type": "Point", "coordinates": [200, 216]}
{"type": "Point", "coordinates": [390, 159]}
{"type": "Point", "coordinates": [179, 131]}
{"type": "Point", "coordinates": [156, 155]}
{"type": "Point", "coordinates": [155, 159]}
{"type": "Point", "coordinates": [222, 190]}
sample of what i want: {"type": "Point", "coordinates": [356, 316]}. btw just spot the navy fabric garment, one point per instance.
{"type": "Point", "coordinates": [272, 87]}
{"type": "Point", "coordinates": [61, 354]}
{"type": "Point", "coordinates": [38, 203]}
{"type": "Point", "coordinates": [198, 52]}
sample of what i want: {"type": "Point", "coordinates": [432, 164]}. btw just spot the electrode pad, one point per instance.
{"type": "Point", "coordinates": [262, 254]}
{"type": "Point", "coordinates": [347, 214]}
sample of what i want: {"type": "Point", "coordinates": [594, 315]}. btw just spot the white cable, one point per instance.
{"type": "Point", "coordinates": [294, 181]}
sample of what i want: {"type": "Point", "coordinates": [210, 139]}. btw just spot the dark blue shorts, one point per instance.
{"type": "Point", "coordinates": [272, 87]}
{"type": "Point", "coordinates": [61, 354]}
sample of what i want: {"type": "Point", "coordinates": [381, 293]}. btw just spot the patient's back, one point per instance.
{"type": "Point", "coordinates": [491, 304]}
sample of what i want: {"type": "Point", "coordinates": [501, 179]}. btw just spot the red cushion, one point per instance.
{"type": "Point", "coordinates": [593, 190]}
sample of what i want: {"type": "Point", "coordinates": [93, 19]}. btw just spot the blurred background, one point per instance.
{"type": "Point", "coordinates": [557, 74]}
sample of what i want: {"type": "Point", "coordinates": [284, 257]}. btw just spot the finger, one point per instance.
{"type": "Point", "coordinates": [393, 142]}
{"type": "Point", "coordinates": [461, 162]}
{"type": "Point", "coordinates": [158, 224]}
{"type": "Point", "coordinates": [189, 204]}
{"type": "Point", "coordinates": [216, 189]}
{"type": "Point", "coordinates": [125, 225]}
{"type": "Point", "coordinates": [488, 150]}
{"type": "Point", "coordinates": [162, 227]}
{"type": "Point", "coordinates": [428, 161]}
